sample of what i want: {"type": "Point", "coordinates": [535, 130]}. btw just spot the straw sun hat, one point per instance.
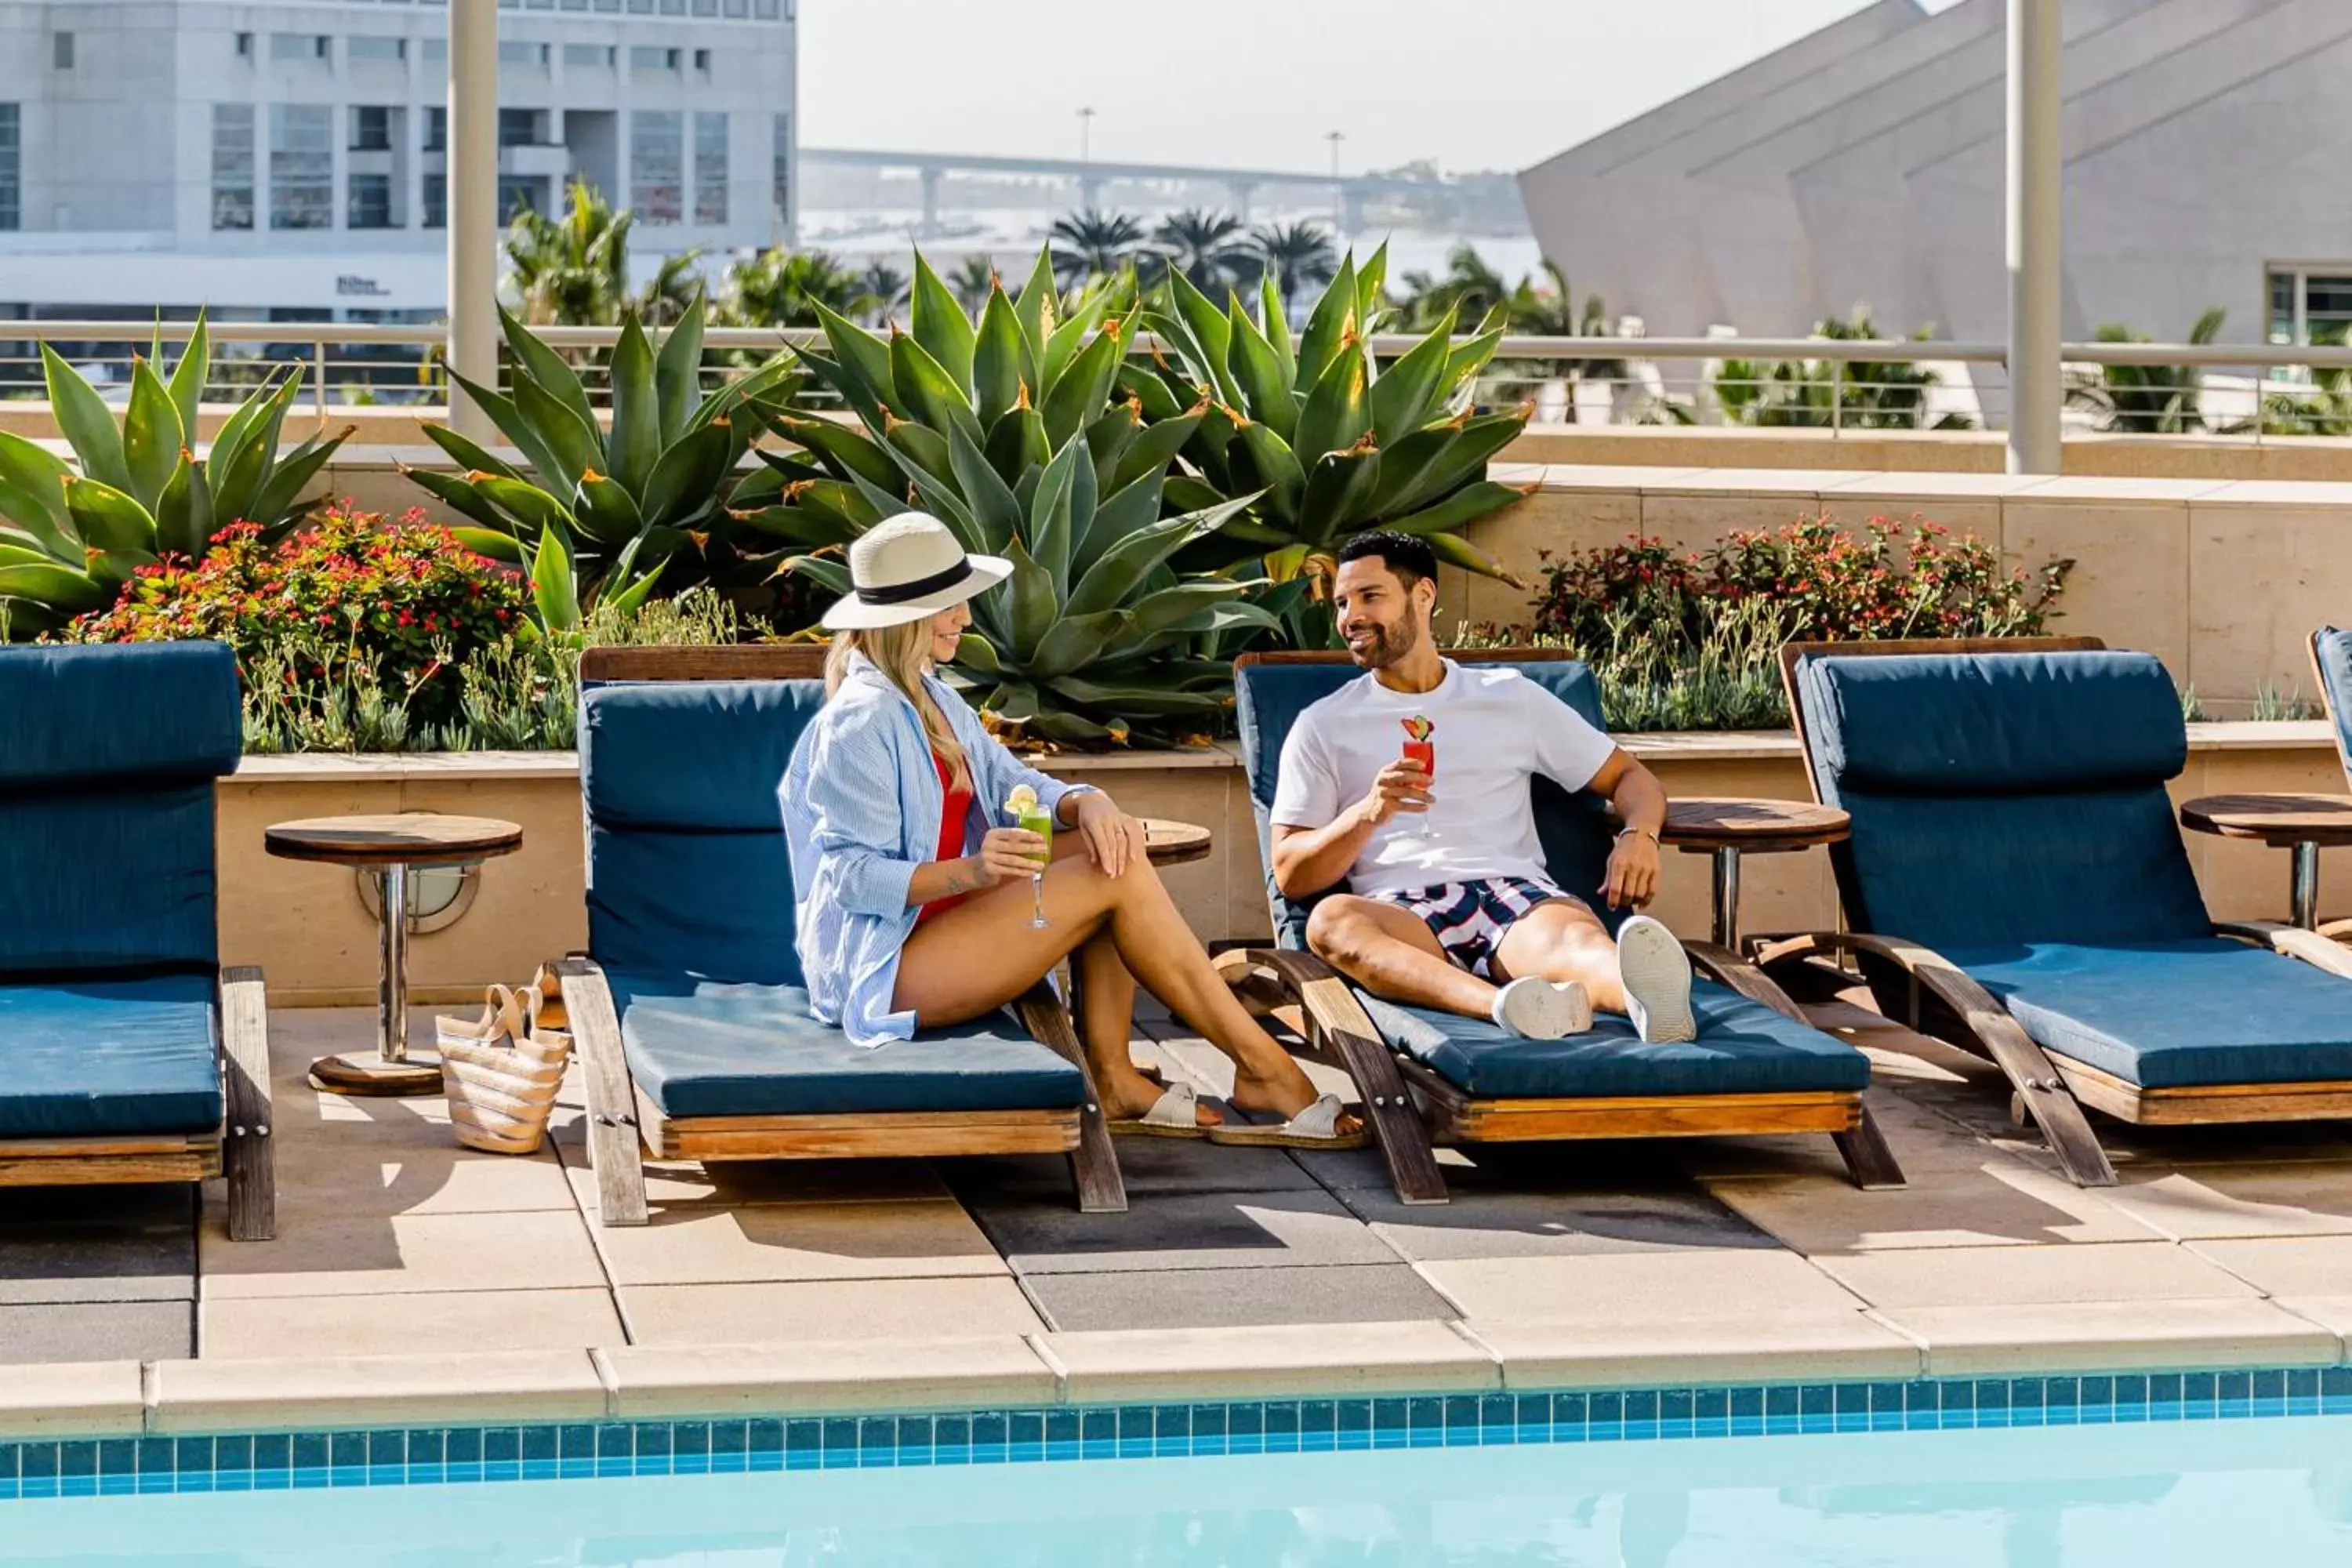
{"type": "Point", "coordinates": [905, 568]}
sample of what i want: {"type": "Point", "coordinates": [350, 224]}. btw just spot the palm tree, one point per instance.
{"type": "Point", "coordinates": [1869, 395]}
{"type": "Point", "coordinates": [574, 271]}
{"type": "Point", "coordinates": [782, 288]}
{"type": "Point", "coordinates": [1091, 244]}
{"type": "Point", "coordinates": [1551, 311]}
{"type": "Point", "coordinates": [1298, 257]}
{"type": "Point", "coordinates": [885, 288]}
{"type": "Point", "coordinates": [2148, 399]}
{"type": "Point", "coordinates": [1468, 287]}
{"type": "Point", "coordinates": [1210, 248]}
{"type": "Point", "coordinates": [972, 283]}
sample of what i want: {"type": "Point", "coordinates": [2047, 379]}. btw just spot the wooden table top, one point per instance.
{"type": "Point", "coordinates": [1170, 843]}
{"type": "Point", "coordinates": [2277, 820]}
{"type": "Point", "coordinates": [407, 839]}
{"type": "Point", "coordinates": [1755, 827]}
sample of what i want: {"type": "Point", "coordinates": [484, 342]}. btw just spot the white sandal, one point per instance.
{"type": "Point", "coordinates": [1316, 1127]}
{"type": "Point", "coordinates": [1175, 1114]}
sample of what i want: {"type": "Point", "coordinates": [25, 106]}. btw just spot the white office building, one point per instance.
{"type": "Point", "coordinates": [285, 160]}
{"type": "Point", "coordinates": [1863, 165]}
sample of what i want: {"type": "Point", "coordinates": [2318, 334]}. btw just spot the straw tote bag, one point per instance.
{"type": "Point", "coordinates": [501, 1073]}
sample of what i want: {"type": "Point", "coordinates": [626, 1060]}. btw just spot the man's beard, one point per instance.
{"type": "Point", "coordinates": [1388, 645]}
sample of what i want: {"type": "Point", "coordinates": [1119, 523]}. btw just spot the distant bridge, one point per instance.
{"type": "Point", "coordinates": [1090, 176]}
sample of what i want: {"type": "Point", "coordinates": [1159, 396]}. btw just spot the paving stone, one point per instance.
{"type": "Point", "coordinates": [2042, 1276]}
{"type": "Point", "coordinates": [1606, 1287]}
{"type": "Point", "coordinates": [1521, 1224]}
{"type": "Point", "coordinates": [151, 1203]}
{"type": "Point", "coordinates": [99, 1244]}
{"type": "Point", "coordinates": [1576, 1166]}
{"type": "Point", "coordinates": [1150, 1165]}
{"type": "Point", "coordinates": [768, 1312]}
{"type": "Point", "coordinates": [99, 1330]}
{"type": "Point", "coordinates": [1193, 1230]}
{"type": "Point", "coordinates": [265, 1327]}
{"type": "Point", "coordinates": [1996, 1202]}
{"type": "Point", "coordinates": [1233, 1298]}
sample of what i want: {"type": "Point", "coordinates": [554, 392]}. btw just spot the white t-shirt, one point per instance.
{"type": "Point", "coordinates": [1493, 729]}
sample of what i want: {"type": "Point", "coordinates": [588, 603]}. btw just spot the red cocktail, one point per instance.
{"type": "Point", "coordinates": [1418, 746]}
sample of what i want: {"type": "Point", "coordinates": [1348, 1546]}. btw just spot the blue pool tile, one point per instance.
{"type": "Point", "coordinates": [233, 1465]}
{"type": "Point", "coordinates": [1532, 1413]}
{"type": "Point", "coordinates": [1816, 1407]}
{"type": "Point", "coordinates": [37, 1471]}
{"type": "Point", "coordinates": [2234, 1390]}
{"type": "Point", "coordinates": [1572, 1417]}
{"type": "Point", "coordinates": [2131, 1397]}
{"type": "Point", "coordinates": [1678, 1412]}
{"type": "Point", "coordinates": [1605, 1416]}
{"type": "Point", "coordinates": [2062, 1400]}
{"type": "Point", "coordinates": [842, 1443]}
{"type": "Point", "coordinates": [1245, 1429]}
{"type": "Point", "coordinates": [2163, 1396]}
{"type": "Point", "coordinates": [191, 1464]}
{"type": "Point", "coordinates": [1281, 1425]}
{"type": "Point", "coordinates": [1641, 1414]}
{"type": "Point", "coordinates": [990, 1431]}
{"type": "Point", "coordinates": [2303, 1391]}
{"type": "Point", "coordinates": [2199, 1395]}
{"type": "Point", "coordinates": [2335, 1389]}
{"type": "Point", "coordinates": [117, 1464]}
{"type": "Point", "coordinates": [1391, 1423]}
{"type": "Point", "coordinates": [917, 1435]}
{"type": "Point", "coordinates": [1956, 1403]}
{"type": "Point", "coordinates": [2025, 1402]}
{"type": "Point", "coordinates": [77, 1468]}
{"type": "Point", "coordinates": [1207, 1423]}
{"type": "Point", "coordinates": [1351, 1421]}
{"type": "Point", "coordinates": [1025, 1442]}
{"type": "Point", "coordinates": [1318, 1425]}
{"type": "Point", "coordinates": [1064, 1433]}
{"type": "Point", "coordinates": [1462, 1419]}
{"type": "Point", "coordinates": [616, 1449]}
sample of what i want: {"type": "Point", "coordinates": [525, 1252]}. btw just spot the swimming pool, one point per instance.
{"type": "Point", "coordinates": [2084, 1472]}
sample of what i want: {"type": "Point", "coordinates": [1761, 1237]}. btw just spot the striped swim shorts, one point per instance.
{"type": "Point", "coordinates": [1468, 919]}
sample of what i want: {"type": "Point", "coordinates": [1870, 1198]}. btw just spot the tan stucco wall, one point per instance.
{"type": "Point", "coordinates": [305, 923]}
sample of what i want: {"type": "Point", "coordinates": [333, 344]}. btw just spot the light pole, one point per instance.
{"type": "Point", "coordinates": [1086, 130]}
{"type": "Point", "coordinates": [472, 184]}
{"type": "Point", "coordinates": [2036, 258]}
{"type": "Point", "coordinates": [1334, 138]}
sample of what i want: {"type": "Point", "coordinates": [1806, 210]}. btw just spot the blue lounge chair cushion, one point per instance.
{"type": "Point", "coordinates": [1575, 829]}
{"type": "Point", "coordinates": [1743, 1047]}
{"type": "Point", "coordinates": [2171, 1015]}
{"type": "Point", "coordinates": [2004, 800]}
{"type": "Point", "coordinates": [107, 761]}
{"type": "Point", "coordinates": [688, 868]}
{"type": "Point", "coordinates": [85, 1058]}
{"type": "Point", "coordinates": [704, 1048]}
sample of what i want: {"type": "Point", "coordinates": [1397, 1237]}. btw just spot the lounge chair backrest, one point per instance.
{"type": "Point", "coordinates": [108, 756]}
{"type": "Point", "coordinates": [1272, 692]}
{"type": "Point", "coordinates": [2331, 658]}
{"type": "Point", "coordinates": [2003, 799]}
{"type": "Point", "coordinates": [688, 869]}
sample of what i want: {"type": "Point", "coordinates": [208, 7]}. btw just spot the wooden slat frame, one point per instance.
{"type": "Point", "coordinates": [739, 661]}
{"type": "Point", "coordinates": [108, 1161]}
{"type": "Point", "coordinates": [1458, 1118]}
{"type": "Point", "coordinates": [902, 1134]}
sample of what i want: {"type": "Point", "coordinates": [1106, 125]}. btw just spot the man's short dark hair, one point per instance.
{"type": "Point", "coordinates": [1411, 559]}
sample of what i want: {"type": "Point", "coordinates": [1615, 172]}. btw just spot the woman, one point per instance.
{"type": "Point", "coordinates": [916, 908]}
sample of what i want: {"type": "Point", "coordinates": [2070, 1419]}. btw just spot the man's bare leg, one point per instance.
{"type": "Point", "coordinates": [1392, 953]}
{"type": "Point", "coordinates": [1563, 941]}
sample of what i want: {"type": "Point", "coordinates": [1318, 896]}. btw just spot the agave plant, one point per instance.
{"type": "Point", "coordinates": [72, 533]}
{"type": "Point", "coordinates": [1335, 444]}
{"type": "Point", "coordinates": [598, 517]}
{"type": "Point", "coordinates": [1005, 430]}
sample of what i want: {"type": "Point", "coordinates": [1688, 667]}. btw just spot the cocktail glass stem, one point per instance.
{"type": "Point", "coordinates": [1038, 901]}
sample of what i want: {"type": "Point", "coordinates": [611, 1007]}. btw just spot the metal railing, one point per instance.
{"type": "Point", "coordinates": [1843, 387]}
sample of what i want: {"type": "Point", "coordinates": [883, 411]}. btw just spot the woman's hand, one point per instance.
{"type": "Point", "coordinates": [1114, 840]}
{"type": "Point", "coordinates": [1006, 853]}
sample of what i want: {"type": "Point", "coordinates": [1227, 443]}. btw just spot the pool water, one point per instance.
{"type": "Point", "coordinates": [2213, 1493]}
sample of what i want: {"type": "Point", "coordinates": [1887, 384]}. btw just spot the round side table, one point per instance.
{"type": "Point", "coordinates": [390, 846]}
{"type": "Point", "coordinates": [1728, 828]}
{"type": "Point", "coordinates": [1171, 843]}
{"type": "Point", "coordinates": [2306, 823]}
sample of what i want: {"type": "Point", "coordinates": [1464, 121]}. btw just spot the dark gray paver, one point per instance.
{"type": "Point", "coordinates": [1234, 1298]}
{"type": "Point", "coordinates": [1486, 1224]}
{"type": "Point", "coordinates": [1151, 1165]}
{"type": "Point", "coordinates": [97, 1244]}
{"type": "Point", "coordinates": [1184, 1230]}
{"type": "Point", "coordinates": [99, 1330]}
{"type": "Point", "coordinates": [1564, 1167]}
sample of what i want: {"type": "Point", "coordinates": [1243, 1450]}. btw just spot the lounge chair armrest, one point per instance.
{"type": "Point", "coordinates": [1725, 967]}
{"type": "Point", "coordinates": [2035, 1077]}
{"type": "Point", "coordinates": [2313, 947]}
{"type": "Point", "coordinates": [614, 1146]}
{"type": "Point", "coordinates": [248, 1159]}
{"type": "Point", "coordinates": [1281, 975]}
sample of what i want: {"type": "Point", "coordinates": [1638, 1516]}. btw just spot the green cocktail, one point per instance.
{"type": "Point", "coordinates": [1039, 821]}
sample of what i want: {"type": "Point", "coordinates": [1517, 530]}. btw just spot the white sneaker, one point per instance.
{"type": "Point", "coordinates": [1657, 977]}
{"type": "Point", "coordinates": [1533, 1010]}
{"type": "Point", "coordinates": [1580, 1006]}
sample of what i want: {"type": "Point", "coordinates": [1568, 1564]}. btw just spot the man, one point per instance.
{"type": "Point", "coordinates": [1448, 904]}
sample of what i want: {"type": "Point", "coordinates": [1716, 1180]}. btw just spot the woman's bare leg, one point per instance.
{"type": "Point", "coordinates": [972, 959]}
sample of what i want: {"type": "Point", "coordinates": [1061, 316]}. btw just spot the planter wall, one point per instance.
{"type": "Point", "coordinates": [306, 926]}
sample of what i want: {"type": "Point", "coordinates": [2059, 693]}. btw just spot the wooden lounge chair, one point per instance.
{"type": "Point", "coordinates": [688, 1008]}
{"type": "Point", "coordinates": [2016, 885]}
{"type": "Point", "coordinates": [2331, 664]}
{"type": "Point", "coordinates": [1757, 1066]}
{"type": "Point", "coordinates": [127, 1053]}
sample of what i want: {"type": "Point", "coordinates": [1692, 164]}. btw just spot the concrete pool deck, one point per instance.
{"type": "Point", "coordinates": [415, 1280]}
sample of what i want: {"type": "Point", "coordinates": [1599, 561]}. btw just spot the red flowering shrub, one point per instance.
{"type": "Point", "coordinates": [397, 604]}
{"type": "Point", "coordinates": [1818, 581]}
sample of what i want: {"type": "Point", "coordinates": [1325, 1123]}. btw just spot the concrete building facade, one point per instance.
{"type": "Point", "coordinates": [1863, 167]}
{"type": "Point", "coordinates": [288, 159]}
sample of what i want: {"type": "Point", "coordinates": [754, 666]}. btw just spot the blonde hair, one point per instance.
{"type": "Point", "coordinates": [902, 653]}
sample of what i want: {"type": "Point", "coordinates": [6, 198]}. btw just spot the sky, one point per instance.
{"type": "Point", "coordinates": [1474, 84]}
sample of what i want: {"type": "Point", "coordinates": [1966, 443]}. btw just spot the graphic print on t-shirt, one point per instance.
{"type": "Point", "coordinates": [1500, 730]}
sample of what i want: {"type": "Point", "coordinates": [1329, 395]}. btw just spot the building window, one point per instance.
{"type": "Point", "coordinates": [587, 56]}
{"type": "Point", "coordinates": [437, 51]}
{"type": "Point", "coordinates": [2311, 304]}
{"type": "Point", "coordinates": [702, 62]}
{"type": "Point", "coordinates": [767, 10]}
{"type": "Point", "coordinates": [642, 60]}
{"type": "Point", "coordinates": [436, 129]}
{"type": "Point", "coordinates": [655, 158]}
{"type": "Point", "coordinates": [673, 8]}
{"type": "Point", "coordinates": [61, 52]}
{"type": "Point", "coordinates": [370, 202]}
{"type": "Point", "coordinates": [301, 165]}
{"type": "Point", "coordinates": [371, 128]}
{"type": "Point", "coordinates": [641, 8]}
{"type": "Point", "coordinates": [710, 168]}
{"type": "Point", "coordinates": [232, 165]}
{"type": "Point", "coordinates": [738, 9]}
{"type": "Point", "coordinates": [522, 127]}
{"type": "Point", "coordinates": [524, 54]}
{"type": "Point", "coordinates": [782, 194]}
{"type": "Point", "coordinates": [436, 197]}
{"type": "Point", "coordinates": [705, 7]}
{"type": "Point", "coordinates": [373, 46]}
{"type": "Point", "coordinates": [284, 47]}
{"type": "Point", "coordinates": [245, 45]}
{"type": "Point", "coordinates": [12, 170]}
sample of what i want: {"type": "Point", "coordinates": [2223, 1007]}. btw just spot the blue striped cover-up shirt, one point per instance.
{"type": "Point", "coordinates": [862, 803]}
